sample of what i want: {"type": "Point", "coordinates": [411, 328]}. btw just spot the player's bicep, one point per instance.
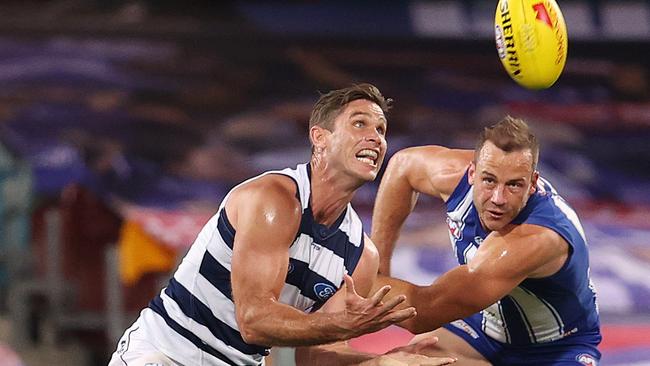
{"type": "Point", "coordinates": [502, 262]}
{"type": "Point", "coordinates": [266, 224]}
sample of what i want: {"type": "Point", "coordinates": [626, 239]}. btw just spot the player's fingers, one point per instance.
{"type": "Point", "coordinates": [438, 361]}
{"type": "Point", "coordinates": [391, 304]}
{"type": "Point", "coordinates": [376, 298]}
{"type": "Point", "coordinates": [349, 284]}
{"type": "Point", "coordinates": [425, 342]}
{"type": "Point", "coordinates": [399, 315]}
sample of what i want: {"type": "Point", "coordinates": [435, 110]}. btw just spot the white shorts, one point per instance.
{"type": "Point", "coordinates": [134, 349]}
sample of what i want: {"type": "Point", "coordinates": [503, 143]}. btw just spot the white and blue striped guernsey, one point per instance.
{"type": "Point", "coordinates": [538, 310]}
{"type": "Point", "coordinates": [194, 315]}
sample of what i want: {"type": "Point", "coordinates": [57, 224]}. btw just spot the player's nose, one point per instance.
{"type": "Point", "coordinates": [498, 196]}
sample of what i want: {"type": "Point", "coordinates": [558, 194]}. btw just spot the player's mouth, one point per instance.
{"type": "Point", "coordinates": [368, 156]}
{"type": "Point", "coordinates": [495, 215]}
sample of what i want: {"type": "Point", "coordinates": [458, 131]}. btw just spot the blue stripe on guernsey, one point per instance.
{"type": "Point", "coordinates": [216, 274]}
{"type": "Point", "coordinates": [226, 230]}
{"type": "Point", "coordinates": [308, 281]}
{"type": "Point", "coordinates": [332, 238]}
{"type": "Point", "coordinates": [200, 313]}
{"type": "Point", "coordinates": [157, 306]}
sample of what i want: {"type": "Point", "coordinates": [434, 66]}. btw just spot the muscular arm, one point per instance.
{"type": "Point", "coordinates": [432, 170]}
{"type": "Point", "coordinates": [266, 215]}
{"type": "Point", "coordinates": [502, 262]}
{"type": "Point", "coordinates": [341, 353]}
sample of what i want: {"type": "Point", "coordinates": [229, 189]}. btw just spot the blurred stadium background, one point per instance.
{"type": "Point", "coordinates": [123, 123]}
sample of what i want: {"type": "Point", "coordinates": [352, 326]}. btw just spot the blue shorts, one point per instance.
{"type": "Point", "coordinates": [574, 350]}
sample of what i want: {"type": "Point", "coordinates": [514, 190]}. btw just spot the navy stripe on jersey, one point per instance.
{"type": "Point", "coordinates": [517, 328]}
{"type": "Point", "coordinates": [157, 306]}
{"type": "Point", "coordinates": [332, 238]}
{"type": "Point", "coordinates": [199, 312]}
{"type": "Point", "coordinates": [216, 274]}
{"type": "Point", "coordinates": [226, 230]}
{"type": "Point", "coordinates": [307, 280]}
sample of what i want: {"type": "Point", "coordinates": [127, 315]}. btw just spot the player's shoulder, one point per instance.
{"type": "Point", "coordinates": [269, 189]}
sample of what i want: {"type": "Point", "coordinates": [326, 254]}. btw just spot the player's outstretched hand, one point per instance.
{"type": "Point", "coordinates": [408, 359]}
{"type": "Point", "coordinates": [408, 354]}
{"type": "Point", "coordinates": [367, 315]}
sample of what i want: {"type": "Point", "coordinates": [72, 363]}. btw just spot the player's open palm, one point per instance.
{"type": "Point", "coordinates": [366, 315]}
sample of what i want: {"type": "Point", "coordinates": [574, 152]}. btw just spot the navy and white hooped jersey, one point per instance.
{"type": "Point", "coordinates": [538, 310]}
{"type": "Point", "coordinates": [195, 315]}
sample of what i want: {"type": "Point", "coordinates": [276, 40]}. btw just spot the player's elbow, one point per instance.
{"type": "Point", "coordinates": [415, 326]}
{"type": "Point", "coordinates": [248, 323]}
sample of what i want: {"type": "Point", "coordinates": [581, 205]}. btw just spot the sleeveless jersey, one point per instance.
{"type": "Point", "coordinates": [194, 316]}
{"type": "Point", "coordinates": [538, 310]}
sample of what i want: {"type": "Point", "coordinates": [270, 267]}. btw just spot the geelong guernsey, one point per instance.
{"type": "Point", "coordinates": [538, 310]}
{"type": "Point", "coordinates": [195, 315]}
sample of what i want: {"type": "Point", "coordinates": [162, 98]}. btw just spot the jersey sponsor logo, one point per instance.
{"type": "Point", "coordinates": [586, 359]}
{"type": "Point", "coordinates": [324, 290]}
{"type": "Point", "coordinates": [455, 228]}
{"type": "Point", "coordinates": [460, 324]}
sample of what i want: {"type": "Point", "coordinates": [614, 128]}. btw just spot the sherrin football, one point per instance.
{"type": "Point", "coordinates": [531, 40]}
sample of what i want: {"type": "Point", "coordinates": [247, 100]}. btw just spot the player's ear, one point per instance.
{"type": "Point", "coordinates": [533, 182]}
{"type": "Point", "coordinates": [318, 136]}
{"type": "Point", "coordinates": [471, 172]}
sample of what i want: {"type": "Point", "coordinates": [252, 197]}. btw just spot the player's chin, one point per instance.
{"type": "Point", "coordinates": [495, 224]}
{"type": "Point", "coordinates": [368, 176]}
{"type": "Point", "coordinates": [367, 172]}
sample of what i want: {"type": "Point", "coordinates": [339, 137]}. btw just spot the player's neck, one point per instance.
{"type": "Point", "coordinates": [330, 194]}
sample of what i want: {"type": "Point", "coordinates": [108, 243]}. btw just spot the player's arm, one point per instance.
{"type": "Point", "coordinates": [340, 353]}
{"type": "Point", "coordinates": [501, 263]}
{"type": "Point", "coordinates": [432, 170]}
{"type": "Point", "coordinates": [266, 216]}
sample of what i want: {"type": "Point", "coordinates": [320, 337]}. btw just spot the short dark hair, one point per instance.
{"type": "Point", "coordinates": [509, 134]}
{"type": "Point", "coordinates": [329, 105]}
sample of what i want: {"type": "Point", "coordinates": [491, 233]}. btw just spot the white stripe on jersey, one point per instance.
{"type": "Point", "coordinates": [542, 320]}
{"type": "Point", "coordinates": [291, 295]}
{"type": "Point", "coordinates": [494, 324]}
{"type": "Point", "coordinates": [459, 214]}
{"type": "Point", "coordinates": [570, 214]}
{"type": "Point", "coordinates": [169, 343]}
{"type": "Point", "coordinates": [354, 232]}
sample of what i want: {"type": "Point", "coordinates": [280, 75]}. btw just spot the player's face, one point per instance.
{"type": "Point", "coordinates": [358, 140]}
{"type": "Point", "coordinates": [503, 182]}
